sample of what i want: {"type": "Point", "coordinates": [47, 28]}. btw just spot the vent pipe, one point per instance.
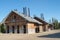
{"type": "Point", "coordinates": [26, 11]}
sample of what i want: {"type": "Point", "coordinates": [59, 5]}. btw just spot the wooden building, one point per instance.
{"type": "Point", "coordinates": [16, 22]}
{"type": "Point", "coordinates": [45, 26]}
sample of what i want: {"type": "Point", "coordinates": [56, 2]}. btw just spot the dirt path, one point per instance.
{"type": "Point", "coordinates": [51, 35]}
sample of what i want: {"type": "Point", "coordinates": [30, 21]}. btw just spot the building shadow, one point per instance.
{"type": "Point", "coordinates": [55, 35]}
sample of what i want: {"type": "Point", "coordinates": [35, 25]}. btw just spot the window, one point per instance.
{"type": "Point", "coordinates": [37, 29]}
{"type": "Point", "coordinates": [14, 17]}
{"type": "Point", "coordinates": [13, 20]}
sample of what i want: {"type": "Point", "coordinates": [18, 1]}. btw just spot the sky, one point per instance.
{"type": "Point", "coordinates": [50, 8]}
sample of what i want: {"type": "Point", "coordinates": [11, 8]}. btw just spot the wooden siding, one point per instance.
{"type": "Point", "coordinates": [18, 21]}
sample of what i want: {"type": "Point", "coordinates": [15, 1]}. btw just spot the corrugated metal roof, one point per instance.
{"type": "Point", "coordinates": [22, 15]}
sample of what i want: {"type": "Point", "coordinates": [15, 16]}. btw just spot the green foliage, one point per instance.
{"type": "Point", "coordinates": [2, 28]}
{"type": "Point", "coordinates": [59, 25]}
{"type": "Point", "coordinates": [56, 23]}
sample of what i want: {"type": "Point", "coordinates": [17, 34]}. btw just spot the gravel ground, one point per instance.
{"type": "Point", "coordinates": [49, 35]}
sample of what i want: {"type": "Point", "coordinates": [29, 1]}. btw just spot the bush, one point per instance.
{"type": "Point", "coordinates": [2, 28]}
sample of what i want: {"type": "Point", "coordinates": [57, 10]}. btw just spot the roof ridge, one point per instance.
{"type": "Point", "coordinates": [22, 15]}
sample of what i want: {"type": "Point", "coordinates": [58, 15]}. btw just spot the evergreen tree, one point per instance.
{"type": "Point", "coordinates": [2, 28]}
{"type": "Point", "coordinates": [59, 25]}
{"type": "Point", "coordinates": [55, 23]}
